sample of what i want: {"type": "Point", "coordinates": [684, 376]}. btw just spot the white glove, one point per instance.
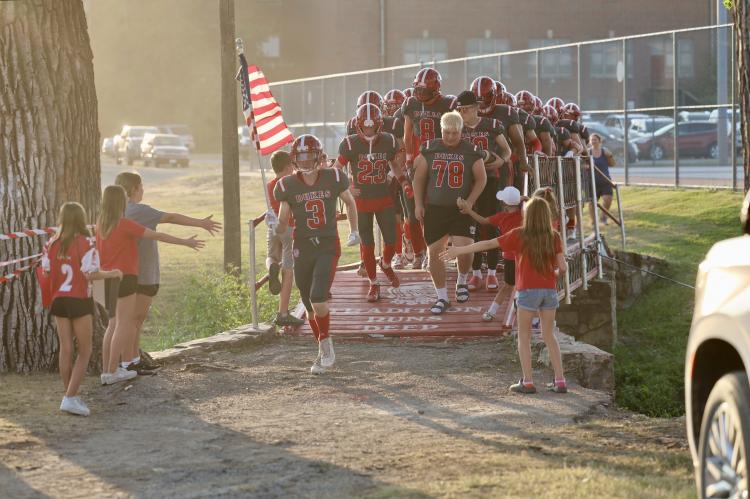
{"type": "Point", "coordinates": [271, 219]}
{"type": "Point", "coordinates": [353, 238]}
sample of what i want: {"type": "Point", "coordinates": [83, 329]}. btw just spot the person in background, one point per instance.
{"type": "Point", "coordinates": [71, 261]}
{"type": "Point", "coordinates": [149, 276]}
{"type": "Point", "coordinates": [603, 159]}
{"type": "Point", "coordinates": [539, 252]}
{"type": "Point", "coordinates": [280, 246]}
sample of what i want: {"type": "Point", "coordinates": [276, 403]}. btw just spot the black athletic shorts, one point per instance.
{"type": "Point", "coordinates": [118, 288]}
{"type": "Point", "coordinates": [509, 271]}
{"type": "Point", "coordinates": [149, 290]}
{"type": "Point", "coordinates": [72, 308]}
{"type": "Point", "coordinates": [315, 261]}
{"type": "Point", "coordinates": [440, 221]}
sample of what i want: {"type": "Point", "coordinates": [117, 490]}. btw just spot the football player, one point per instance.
{"type": "Point", "coordinates": [529, 102]}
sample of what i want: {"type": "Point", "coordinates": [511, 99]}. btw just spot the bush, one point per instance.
{"type": "Point", "coordinates": [211, 302]}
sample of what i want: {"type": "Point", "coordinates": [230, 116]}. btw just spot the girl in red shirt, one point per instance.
{"type": "Point", "coordinates": [538, 251]}
{"type": "Point", "coordinates": [117, 242]}
{"type": "Point", "coordinates": [548, 194]}
{"type": "Point", "coordinates": [70, 262]}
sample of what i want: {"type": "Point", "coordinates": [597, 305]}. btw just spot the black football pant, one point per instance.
{"type": "Point", "coordinates": [315, 264]}
{"type": "Point", "coordinates": [486, 206]}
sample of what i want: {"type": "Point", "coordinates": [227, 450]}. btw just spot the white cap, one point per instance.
{"type": "Point", "coordinates": [510, 195]}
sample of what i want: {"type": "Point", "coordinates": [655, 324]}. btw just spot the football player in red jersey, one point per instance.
{"type": "Point", "coordinates": [489, 97]}
{"type": "Point", "coordinates": [71, 262]}
{"type": "Point", "coordinates": [366, 97]}
{"type": "Point", "coordinates": [422, 113]}
{"type": "Point", "coordinates": [370, 155]}
{"type": "Point", "coordinates": [528, 102]}
{"type": "Point", "coordinates": [447, 170]}
{"type": "Point", "coordinates": [571, 117]}
{"type": "Point", "coordinates": [528, 122]}
{"type": "Point", "coordinates": [310, 196]}
{"type": "Point", "coordinates": [392, 102]}
{"type": "Point", "coordinates": [484, 133]}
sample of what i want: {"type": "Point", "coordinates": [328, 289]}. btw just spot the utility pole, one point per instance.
{"type": "Point", "coordinates": [230, 160]}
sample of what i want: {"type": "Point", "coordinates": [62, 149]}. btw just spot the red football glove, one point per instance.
{"type": "Point", "coordinates": [408, 190]}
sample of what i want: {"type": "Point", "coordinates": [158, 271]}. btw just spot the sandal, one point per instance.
{"type": "Point", "coordinates": [557, 387]}
{"type": "Point", "coordinates": [487, 317]}
{"type": "Point", "coordinates": [462, 293]}
{"type": "Point", "coordinates": [522, 387]}
{"type": "Point", "coordinates": [440, 306]}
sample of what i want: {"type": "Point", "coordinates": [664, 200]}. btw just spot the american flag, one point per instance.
{"type": "Point", "coordinates": [262, 112]}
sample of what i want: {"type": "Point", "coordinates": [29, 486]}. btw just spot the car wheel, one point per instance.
{"type": "Point", "coordinates": [713, 151]}
{"type": "Point", "coordinates": [657, 153]}
{"type": "Point", "coordinates": [725, 439]}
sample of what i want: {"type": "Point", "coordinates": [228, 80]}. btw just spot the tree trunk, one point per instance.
{"type": "Point", "coordinates": [742, 57]}
{"type": "Point", "coordinates": [48, 155]}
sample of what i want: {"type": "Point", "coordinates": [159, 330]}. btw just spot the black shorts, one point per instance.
{"type": "Point", "coordinates": [149, 290]}
{"type": "Point", "coordinates": [603, 188]}
{"type": "Point", "coordinates": [440, 221]}
{"type": "Point", "coordinates": [118, 288]}
{"type": "Point", "coordinates": [72, 308]}
{"type": "Point", "coordinates": [509, 271]}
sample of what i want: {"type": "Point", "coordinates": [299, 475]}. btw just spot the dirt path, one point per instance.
{"type": "Point", "coordinates": [394, 419]}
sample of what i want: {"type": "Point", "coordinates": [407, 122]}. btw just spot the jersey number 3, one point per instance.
{"type": "Point", "coordinates": [454, 170]}
{"type": "Point", "coordinates": [316, 213]}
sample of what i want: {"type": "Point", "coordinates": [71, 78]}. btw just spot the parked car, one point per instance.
{"type": "Point", "coordinates": [183, 131]}
{"type": "Point", "coordinates": [717, 367]}
{"type": "Point", "coordinates": [694, 138]}
{"type": "Point", "coordinates": [163, 148]}
{"type": "Point", "coordinates": [245, 143]}
{"type": "Point", "coordinates": [646, 126]}
{"type": "Point", "coordinates": [127, 143]}
{"type": "Point", "coordinates": [108, 146]}
{"type": "Point", "coordinates": [643, 120]}
{"type": "Point", "coordinates": [613, 140]}
{"type": "Point", "coordinates": [693, 116]}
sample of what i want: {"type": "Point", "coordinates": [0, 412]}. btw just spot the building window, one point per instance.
{"type": "Point", "coordinates": [487, 66]}
{"type": "Point", "coordinates": [555, 63]}
{"type": "Point", "coordinates": [421, 50]}
{"type": "Point", "coordinates": [603, 60]}
{"type": "Point", "coordinates": [270, 47]}
{"type": "Point", "coordinates": [685, 55]}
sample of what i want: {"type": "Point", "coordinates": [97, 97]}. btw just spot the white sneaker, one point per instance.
{"type": "Point", "coordinates": [316, 368]}
{"type": "Point", "coordinates": [328, 356]}
{"type": "Point", "coordinates": [120, 374]}
{"type": "Point", "coordinates": [74, 405]}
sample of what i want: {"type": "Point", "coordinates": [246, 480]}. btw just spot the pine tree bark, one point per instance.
{"type": "Point", "coordinates": [741, 11]}
{"type": "Point", "coordinates": [48, 154]}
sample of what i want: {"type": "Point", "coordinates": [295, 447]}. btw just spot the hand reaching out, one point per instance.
{"type": "Point", "coordinates": [210, 226]}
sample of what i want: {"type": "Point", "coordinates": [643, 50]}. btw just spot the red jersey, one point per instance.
{"type": "Point", "coordinates": [120, 249]}
{"type": "Point", "coordinates": [276, 205]}
{"type": "Point", "coordinates": [506, 221]}
{"type": "Point", "coordinates": [66, 272]}
{"type": "Point", "coordinates": [526, 276]}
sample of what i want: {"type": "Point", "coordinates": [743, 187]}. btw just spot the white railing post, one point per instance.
{"type": "Point", "coordinates": [561, 202]}
{"type": "Point", "coordinates": [619, 214]}
{"type": "Point", "coordinates": [579, 226]}
{"type": "Point", "coordinates": [253, 295]}
{"type": "Point", "coordinates": [595, 203]}
{"type": "Point", "coordinates": [537, 180]}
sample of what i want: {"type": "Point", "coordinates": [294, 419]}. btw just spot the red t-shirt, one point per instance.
{"type": "Point", "coordinates": [120, 249]}
{"type": "Point", "coordinates": [526, 276]}
{"type": "Point", "coordinates": [276, 205]}
{"type": "Point", "coordinates": [506, 221]}
{"type": "Point", "coordinates": [66, 272]}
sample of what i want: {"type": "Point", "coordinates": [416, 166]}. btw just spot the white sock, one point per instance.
{"type": "Point", "coordinates": [491, 271]}
{"type": "Point", "coordinates": [136, 360]}
{"type": "Point", "coordinates": [478, 273]}
{"type": "Point", "coordinates": [442, 293]}
{"type": "Point", "coordinates": [124, 365]}
{"type": "Point", "coordinates": [463, 278]}
{"type": "Point", "coordinates": [493, 308]}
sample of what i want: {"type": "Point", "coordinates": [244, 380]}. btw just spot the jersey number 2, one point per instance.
{"type": "Point", "coordinates": [67, 284]}
{"type": "Point", "coordinates": [316, 213]}
{"type": "Point", "coordinates": [454, 170]}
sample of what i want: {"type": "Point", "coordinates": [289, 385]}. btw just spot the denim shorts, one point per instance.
{"type": "Point", "coordinates": [537, 299]}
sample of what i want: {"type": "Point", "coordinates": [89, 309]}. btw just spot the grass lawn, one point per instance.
{"type": "Point", "coordinates": [196, 299]}
{"type": "Point", "coordinates": [678, 226]}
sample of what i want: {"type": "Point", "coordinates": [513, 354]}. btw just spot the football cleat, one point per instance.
{"type": "Point", "coordinates": [373, 294]}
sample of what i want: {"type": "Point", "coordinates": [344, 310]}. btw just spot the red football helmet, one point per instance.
{"type": "Point", "coordinates": [392, 101]}
{"type": "Point", "coordinates": [408, 92]}
{"type": "Point", "coordinates": [500, 88]}
{"type": "Point", "coordinates": [427, 84]}
{"type": "Point", "coordinates": [538, 105]}
{"type": "Point", "coordinates": [307, 151]}
{"type": "Point", "coordinates": [550, 113]}
{"type": "Point", "coordinates": [525, 101]}
{"type": "Point", "coordinates": [571, 111]}
{"type": "Point", "coordinates": [557, 103]}
{"type": "Point", "coordinates": [508, 99]}
{"type": "Point", "coordinates": [484, 89]}
{"type": "Point", "coordinates": [370, 97]}
{"type": "Point", "coordinates": [368, 115]}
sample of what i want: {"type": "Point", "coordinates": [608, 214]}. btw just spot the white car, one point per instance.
{"type": "Point", "coordinates": [162, 148]}
{"type": "Point", "coordinates": [108, 146]}
{"type": "Point", "coordinates": [127, 143]}
{"type": "Point", "coordinates": [183, 131]}
{"type": "Point", "coordinates": [717, 366]}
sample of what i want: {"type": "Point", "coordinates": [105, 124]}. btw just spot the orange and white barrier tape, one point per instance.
{"type": "Point", "coordinates": [12, 275]}
{"type": "Point", "coordinates": [19, 260]}
{"type": "Point", "coordinates": [28, 233]}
